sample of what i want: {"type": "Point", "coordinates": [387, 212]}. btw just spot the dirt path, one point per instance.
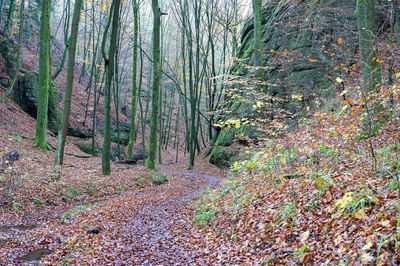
{"type": "Point", "coordinates": [148, 226]}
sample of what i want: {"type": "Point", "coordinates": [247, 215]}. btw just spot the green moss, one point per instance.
{"type": "Point", "coordinates": [87, 148]}
{"type": "Point", "coordinates": [225, 137]}
{"type": "Point", "coordinates": [158, 179]}
{"type": "Point", "coordinates": [222, 157]}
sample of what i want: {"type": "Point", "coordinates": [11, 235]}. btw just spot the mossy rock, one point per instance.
{"type": "Point", "coordinates": [307, 33]}
{"type": "Point", "coordinates": [123, 137]}
{"type": "Point", "coordinates": [226, 137]}
{"type": "Point", "coordinates": [222, 157]}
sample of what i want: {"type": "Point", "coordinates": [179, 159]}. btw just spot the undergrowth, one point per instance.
{"type": "Point", "coordinates": [301, 189]}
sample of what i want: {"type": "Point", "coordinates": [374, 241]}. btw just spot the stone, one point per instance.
{"type": "Point", "coordinates": [25, 91]}
{"type": "Point", "coordinates": [9, 158]}
{"type": "Point", "coordinates": [225, 137]}
{"type": "Point", "coordinates": [301, 50]}
{"type": "Point", "coordinates": [138, 155]}
{"type": "Point", "coordinates": [92, 230]}
{"type": "Point", "coordinates": [5, 82]}
{"type": "Point", "coordinates": [222, 157]}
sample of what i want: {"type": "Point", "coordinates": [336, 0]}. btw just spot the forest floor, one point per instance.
{"type": "Point", "coordinates": [140, 220]}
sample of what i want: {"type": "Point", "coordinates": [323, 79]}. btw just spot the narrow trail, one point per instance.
{"type": "Point", "coordinates": [149, 226]}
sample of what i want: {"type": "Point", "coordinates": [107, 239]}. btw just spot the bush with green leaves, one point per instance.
{"type": "Point", "coordinates": [87, 148]}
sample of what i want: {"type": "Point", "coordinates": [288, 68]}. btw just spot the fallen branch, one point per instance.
{"type": "Point", "coordinates": [71, 154]}
{"type": "Point", "coordinates": [130, 162]}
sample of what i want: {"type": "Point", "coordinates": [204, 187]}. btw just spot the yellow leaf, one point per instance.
{"type": "Point", "coordinates": [313, 60]}
{"type": "Point", "coordinates": [343, 202]}
{"type": "Point", "coordinates": [304, 236]}
{"type": "Point", "coordinates": [360, 214]}
{"type": "Point", "coordinates": [340, 41]}
{"type": "Point", "coordinates": [366, 258]}
{"type": "Point", "coordinates": [344, 92]}
{"type": "Point", "coordinates": [339, 80]}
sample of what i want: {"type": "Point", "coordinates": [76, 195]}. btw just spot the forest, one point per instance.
{"type": "Point", "coordinates": [199, 132]}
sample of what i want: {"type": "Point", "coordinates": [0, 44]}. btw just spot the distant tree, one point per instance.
{"type": "Point", "coordinates": [44, 77]}
{"type": "Point", "coordinates": [150, 163]}
{"type": "Point", "coordinates": [62, 134]}
{"type": "Point", "coordinates": [8, 23]}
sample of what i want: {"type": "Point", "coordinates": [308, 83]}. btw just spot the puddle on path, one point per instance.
{"type": "Point", "coordinates": [35, 256]}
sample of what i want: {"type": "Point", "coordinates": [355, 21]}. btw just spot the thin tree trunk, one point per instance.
{"type": "Point", "coordinates": [257, 5]}
{"type": "Point", "coordinates": [134, 79]}
{"type": "Point", "coordinates": [8, 23]}
{"type": "Point", "coordinates": [69, 84]}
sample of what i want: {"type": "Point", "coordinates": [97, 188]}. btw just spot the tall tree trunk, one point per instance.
{"type": "Point", "coordinates": [20, 38]}
{"type": "Point", "coordinates": [134, 78]}
{"type": "Point", "coordinates": [62, 134]}
{"type": "Point", "coordinates": [150, 163]}
{"type": "Point", "coordinates": [44, 77]}
{"type": "Point", "coordinates": [109, 65]}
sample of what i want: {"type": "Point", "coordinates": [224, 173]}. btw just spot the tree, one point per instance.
{"type": "Point", "coordinates": [8, 23]}
{"type": "Point", "coordinates": [257, 6]}
{"type": "Point", "coordinates": [109, 65]}
{"type": "Point", "coordinates": [134, 78]}
{"type": "Point", "coordinates": [150, 163]}
{"type": "Point", "coordinates": [62, 134]}
{"type": "Point", "coordinates": [20, 37]}
{"type": "Point", "coordinates": [366, 24]}
{"type": "Point", "coordinates": [44, 77]}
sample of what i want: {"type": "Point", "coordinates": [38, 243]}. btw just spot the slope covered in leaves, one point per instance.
{"type": "Point", "coordinates": [327, 193]}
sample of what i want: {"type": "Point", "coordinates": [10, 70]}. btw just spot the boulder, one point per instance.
{"type": "Point", "coordinates": [138, 155]}
{"type": "Point", "coordinates": [92, 229]}
{"type": "Point", "coordinates": [26, 89]}
{"type": "Point", "coordinates": [222, 157]}
{"type": "Point", "coordinates": [226, 137]}
{"type": "Point", "coordinates": [300, 52]}
{"type": "Point", "coordinates": [8, 159]}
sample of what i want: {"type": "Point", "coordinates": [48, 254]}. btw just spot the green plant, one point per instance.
{"type": "Point", "coordinates": [140, 181]}
{"type": "Point", "coordinates": [158, 179]}
{"type": "Point", "coordinates": [87, 148]}
{"type": "Point", "coordinates": [121, 188]}
{"type": "Point", "coordinates": [301, 251]}
{"type": "Point", "coordinates": [38, 201]}
{"type": "Point", "coordinates": [79, 208]}
{"type": "Point", "coordinates": [204, 215]}
{"type": "Point", "coordinates": [234, 238]}
{"type": "Point", "coordinates": [72, 193]}
{"type": "Point", "coordinates": [322, 181]}
{"type": "Point", "coordinates": [286, 212]}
